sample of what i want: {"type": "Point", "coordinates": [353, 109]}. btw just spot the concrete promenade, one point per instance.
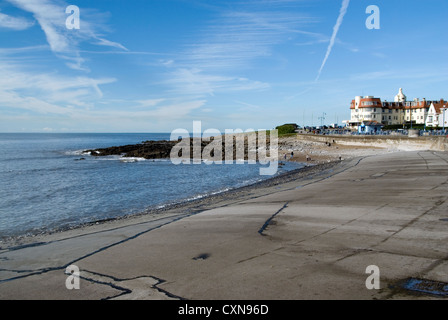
{"type": "Point", "coordinates": [311, 238]}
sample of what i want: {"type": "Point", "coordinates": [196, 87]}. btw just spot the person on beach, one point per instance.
{"type": "Point", "coordinates": [292, 154]}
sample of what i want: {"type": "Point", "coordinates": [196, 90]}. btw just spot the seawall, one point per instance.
{"type": "Point", "coordinates": [401, 143]}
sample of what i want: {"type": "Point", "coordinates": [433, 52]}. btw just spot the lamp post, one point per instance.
{"type": "Point", "coordinates": [322, 119]}
{"type": "Point", "coordinates": [443, 118]}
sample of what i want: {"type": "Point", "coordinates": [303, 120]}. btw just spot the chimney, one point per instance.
{"type": "Point", "coordinates": [357, 101]}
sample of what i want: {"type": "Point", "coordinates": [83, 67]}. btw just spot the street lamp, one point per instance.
{"type": "Point", "coordinates": [322, 119]}
{"type": "Point", "coordinates": [443, 117]}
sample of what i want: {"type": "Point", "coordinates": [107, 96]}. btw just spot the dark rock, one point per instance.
{"type": "Point", "coordinates": [162, 149]}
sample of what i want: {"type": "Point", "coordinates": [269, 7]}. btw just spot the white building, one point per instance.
{"type": "Point", "coordinates": [437, 116]}
{"type": "Point", "coordinates": [400, 97]}
{"type": "Point", "coordinates": [399, 112]}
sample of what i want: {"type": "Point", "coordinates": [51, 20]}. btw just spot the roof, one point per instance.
{"type": "Point", "coordinates": [439, 106]}
{"type": "Point", "coordinates": [367, 99]}
{"type": "Point", "coordinates": [402, 105]}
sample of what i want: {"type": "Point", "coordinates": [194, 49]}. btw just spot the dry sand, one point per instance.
{"type": "Point", "coordinates": [324, 151]}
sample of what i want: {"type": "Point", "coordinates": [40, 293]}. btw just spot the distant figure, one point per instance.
{"type": "Point", "coordinates": [308, 158]}
{"type": "Point", "coordinates": [292, 154]}
{"type": "Point", "coordinates": [285, 156]}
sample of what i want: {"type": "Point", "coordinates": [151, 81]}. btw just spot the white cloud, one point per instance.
{"type": "Point", "coordinates": [237, 37]}
{"type": "Point", "coordinates": [229, 44]}
{"type": "Point", "coordinates": [46, 92]}
{"type": "Point", "coordinates": [175, 110]}
{"type": "Point", "coordinates": [11, 52]}
{"type": "Point", "coordinates": [427, 74]}
{"type": "Point", "coordinates": [14, 23]}
{"type": "Point", "coordinates": [194, 81]}
{"type": "Point", "coordinates": [249, 107]}
{"type": "Point", "coordinates": [63, 42]}
{"type": "Point", "coordinates": [149, 103]}
{"type": "Point", "coordinates": [339, 21]}
{"type": "Point", "coordinates": [79, 100]}
{"type": "Point", "coordinates": [167, 63]}
{"type": "Point", "coordinates": [107, 43]}
{"type": "Point", "coordinates": [168, 112]}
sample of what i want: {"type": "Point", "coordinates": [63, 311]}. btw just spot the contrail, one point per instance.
{"type": "Point", "coordinates": [342, 13]}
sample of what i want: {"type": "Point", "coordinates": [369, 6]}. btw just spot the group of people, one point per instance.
{"type": "Point", "coordinates": [308, 158]}
{"type": "Point", "coordinates": [291, 156]}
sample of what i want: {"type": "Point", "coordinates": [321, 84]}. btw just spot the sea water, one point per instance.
{"type": "Point", "coordinates": [47, 182]}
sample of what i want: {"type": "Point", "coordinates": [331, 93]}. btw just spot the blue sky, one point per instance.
{"type": "Point", "coordinates": [158, 65]}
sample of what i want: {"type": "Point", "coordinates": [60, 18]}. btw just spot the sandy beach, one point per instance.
{"type": "Point", "coordinates": [308, 234]}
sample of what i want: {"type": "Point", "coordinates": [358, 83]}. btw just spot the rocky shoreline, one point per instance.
{"type": "Point", "coordinates": [298, 148]}
{"type": "Point", "coordinates": [162, 149]}
{"type": "Point", "coordinates": [147, 150]}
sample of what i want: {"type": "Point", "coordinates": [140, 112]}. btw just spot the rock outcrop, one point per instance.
{"type": "Point", "coordinates": [162, 149]}
{"type": "Point", "coordinates": [147, 150]}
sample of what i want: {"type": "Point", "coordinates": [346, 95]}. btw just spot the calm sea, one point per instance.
{"type": "Point", "coordinates": [45, 186]}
